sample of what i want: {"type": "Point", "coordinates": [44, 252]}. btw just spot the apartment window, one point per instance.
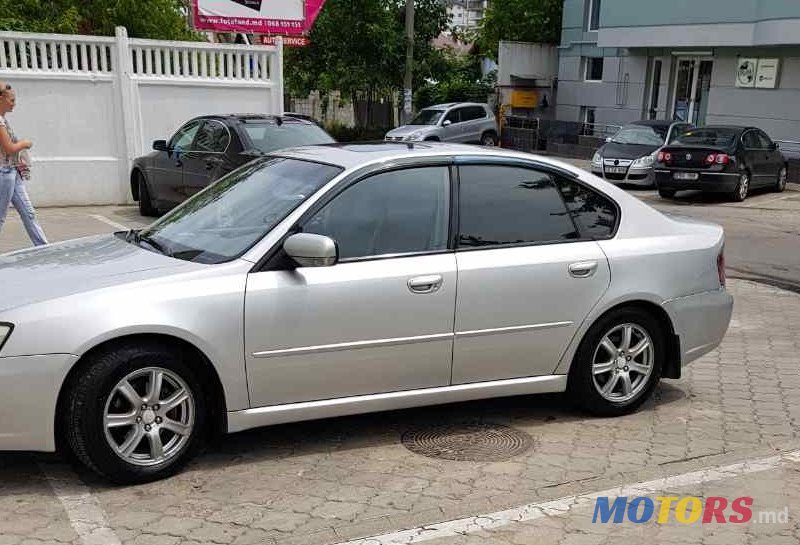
{"type": "Point", "coordinates": [593, 22]}
{"type": "Point", "coordinates": [594, 69]}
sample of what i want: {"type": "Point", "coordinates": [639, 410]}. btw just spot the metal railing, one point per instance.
{"type": "Point", "coordinates": [789, 148]}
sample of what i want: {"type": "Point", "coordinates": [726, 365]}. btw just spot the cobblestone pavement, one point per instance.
{"type": "Point", "coordinates": [336, 480]}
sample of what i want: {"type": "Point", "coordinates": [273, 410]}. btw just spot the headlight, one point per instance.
{"type": "Point", "coordinates": [645, 162]}
{"type": "Point", "coordinates": [5, 332]}
{"type": "Point", "coordinates": [597, 160]}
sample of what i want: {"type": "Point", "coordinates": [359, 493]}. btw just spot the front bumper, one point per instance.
{"type": "Point", "coordinates": [701, 321]}
{"type": "Point", "coordinates": [711, 182]}
{"type": "Point", "coordinates": [643, 177]}
{"type": "Point", "coordinates": [29, 387]}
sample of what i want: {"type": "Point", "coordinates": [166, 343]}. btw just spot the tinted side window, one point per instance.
{"type": "Point", "coordinates": [212, 137]}
{"type": "Point", "coordinates": [750, 140]}
{"type": "Point", "coordinates": [394, 212]}
{"type": "Point", "coordinates": [764, 140]}
{"type": "Point", "coordinates": [183, 138]}
{"type": "Point", "coordinates": [473, 112]}
{"type": "Point", "coordinates": [510, 205]}
{"type": "Point", "coordinates": [455, 116]}
{"type": "Point", "coordinates": [595, 215]}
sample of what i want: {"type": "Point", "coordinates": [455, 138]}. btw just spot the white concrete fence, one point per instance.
{"type": "Point", "coordinates": [92, 104]}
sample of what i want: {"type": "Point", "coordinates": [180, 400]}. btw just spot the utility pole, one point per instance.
{"type": "Point", "coordinates": [407, 83]}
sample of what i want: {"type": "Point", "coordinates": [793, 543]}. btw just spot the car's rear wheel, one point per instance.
{"type": "Point", "coordinates": [780, 183]}
{"type": "Point", "coordinates": [742, 187]}
{"type": "Point", "coordinates": [489, 139]}
{"type": "Point", "coordinates": [146, 207]}
{"type": "Point", "coordinates": [618, 363]}
{"type": "Point", "coordinates": [666, 193]}
{"type": "Point", "coordinates": [134, 413]}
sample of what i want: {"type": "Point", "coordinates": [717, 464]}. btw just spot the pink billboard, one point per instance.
{"type": "Point", "coordinates": [281, 17]}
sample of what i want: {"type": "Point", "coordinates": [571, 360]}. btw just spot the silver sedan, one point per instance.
{"type": "Point", "coordinates": [334, 280]}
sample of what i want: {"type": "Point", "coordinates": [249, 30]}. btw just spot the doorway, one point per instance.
{"type": "Point", "coordinates": [692, 86]}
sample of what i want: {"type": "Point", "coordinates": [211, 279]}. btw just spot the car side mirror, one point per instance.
{"type": "Point", "coordinates": [160, 145]}
{"type": "Point", "coordinates": [446, 123]}
{"type": "Point", "coordinates": [310, 250]}
{"type": "Point", "coordinates": [774, 146]}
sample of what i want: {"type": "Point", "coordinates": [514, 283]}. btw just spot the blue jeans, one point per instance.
{"type": "Point", "coordinates": [13, 192]}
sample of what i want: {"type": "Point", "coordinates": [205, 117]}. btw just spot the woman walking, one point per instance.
{"type": "Point", "coordinates": [12, 171]}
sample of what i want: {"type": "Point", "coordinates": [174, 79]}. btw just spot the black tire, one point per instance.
{"type": "Point", "coordinates": [780, 183]}
{"type": "Point", "coordinates": [582, 387]}
{"type": "Point", "coordinates": [666, 193]}
{"type": "Point", "coordinates": [88, 392]}
{"type": "Point", "coordinates": [489, 139]}
{"type": "Point", "coordinates": [146, 207]}
{"type": "Point", "coordinates": [742, 189]}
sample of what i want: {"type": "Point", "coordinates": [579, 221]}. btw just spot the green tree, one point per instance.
{"type": "Point", "coordinates": [155, 19]}
{"type": "Point", "coordinates": [519, 20]}
{"type": "Point", "coordinates": [358, 47]}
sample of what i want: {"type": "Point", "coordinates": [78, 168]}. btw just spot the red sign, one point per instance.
{"type": "Point", "coordinates": [283, 17]}
{"type": "Point", "coordinates": [288, 41]}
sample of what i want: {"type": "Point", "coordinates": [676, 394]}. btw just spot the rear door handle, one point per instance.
{"type": "Point", "coordinates": [584, 269]}
{"type": "Point", "coordinates": [425, 284]}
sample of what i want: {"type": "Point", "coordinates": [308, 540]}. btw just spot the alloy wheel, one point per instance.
{"type": "Point", "coordinates": [622, 363]}
{"type": "Point", "coordinates": [149, 416]}
{"type": "Point", "coordinates": [744, 186]}
{"type": "Point", "coordinates": [782, 177]}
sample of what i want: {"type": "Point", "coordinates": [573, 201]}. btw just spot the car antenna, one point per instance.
{"type": "Point", "coordinates": [278, 120]}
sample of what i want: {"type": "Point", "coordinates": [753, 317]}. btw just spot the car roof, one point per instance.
{"type": "Point", "coordinates": [244, 118]}
{"type": "Point", "coordinates": [737, 128]}
{"type": "Point", "coordinates": [452, 105]}
{"type": "Point", "coordinates": [657, 123]}
{"type": "Point", "coordinates": [353, 155]}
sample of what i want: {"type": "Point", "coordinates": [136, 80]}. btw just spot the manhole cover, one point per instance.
{"type": "Point", "coordinates": [476, 442]}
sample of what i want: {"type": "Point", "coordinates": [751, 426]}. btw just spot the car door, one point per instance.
{"type": "Point", "coordinates": [527, 276]}
{"type": "Point", "coordinates": [203, 162]}
{"type": "Point", "coordinates": [165, 177]}
{"type": "Point", "coordinates": [474, 119]}
{"type": "Point", "coordinates": [773, 158]}
{"type": "Point", "coordinates": [380, 320]}
{"type": "Point", "coordinates": [755, 157]}
{"type": "Point", "coordinates": [454, 131]}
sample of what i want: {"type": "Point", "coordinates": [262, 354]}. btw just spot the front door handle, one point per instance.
{"type": "Point", "coordinates": [584, 269]}
{"type": "Point", "coordinates": [425, 284]}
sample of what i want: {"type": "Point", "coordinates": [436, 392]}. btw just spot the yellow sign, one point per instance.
{"type": "Point", "coordinates": [524, 98]}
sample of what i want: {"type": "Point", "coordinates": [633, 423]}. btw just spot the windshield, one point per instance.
{"type": "Point", "coordinates": [718, 138]}
{"type": "Point", "coordinates": [268, 137]}
{"type": "Point", "coordinates": [643, 135]}
{"type": "Point", "coordinates": [223, 221]}
{"type": "Point", "coordinates": [427, 117]}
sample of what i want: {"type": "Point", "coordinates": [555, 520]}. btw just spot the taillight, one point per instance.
{"type": "Point", "coordinates": [721, 267]}
{"type": "Point", "coordinates": [723, 159]}
{"type": "Point", "coordinates": [711, 158]}
{"type": "Point", "coordinates": [664, 157]}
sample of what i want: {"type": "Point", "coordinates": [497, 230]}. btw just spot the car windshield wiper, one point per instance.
{"type": "Point", "coordinates": [137, 238]}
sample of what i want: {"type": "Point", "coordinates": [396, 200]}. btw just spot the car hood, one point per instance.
{"type": "Point", "coordinates": [405, 130]}
{"type": "Point", "coordinates": [612, 150]}
{"type": "Point", "coordinates": [76, 266]}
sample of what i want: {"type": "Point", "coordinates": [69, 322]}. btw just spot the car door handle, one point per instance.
{"type": "Point", "coordinates": [584, 269]}
{"type": "Point", "coordinates": [425, 284]}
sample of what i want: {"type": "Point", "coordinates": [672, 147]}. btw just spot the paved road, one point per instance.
{"type": "Point", "coordinates": [729, 428]}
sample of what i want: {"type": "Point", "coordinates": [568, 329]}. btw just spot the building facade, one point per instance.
{"type": "Point", "coordinates": [701, 61]}
{"type": "Point", "coordinates": [466, 14]}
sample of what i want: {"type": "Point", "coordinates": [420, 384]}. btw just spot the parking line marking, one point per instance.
{"type": "Point", "coordinates": [110, 222]}
{"type": "Point", "coordinates": [760, 203]}
{"type": "Point", "coordinates": [562, 506]}
{"type": "Point", "coordinates": [85, 514]}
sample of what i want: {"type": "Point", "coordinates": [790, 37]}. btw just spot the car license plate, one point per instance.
{"type": "Point", "coordinates": [616, 170]}
{"type": "Point", "coordinates": [686, 175]}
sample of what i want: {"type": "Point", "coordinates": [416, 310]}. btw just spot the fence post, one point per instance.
{"type": "Point", "coordinates": [278, 76]}
{"type": "Point", "coordinates": [128, 106]}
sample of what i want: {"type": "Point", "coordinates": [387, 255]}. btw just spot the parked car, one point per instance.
{"type": "Point", "coordinates": [208, 147]}
{"type": "Point", "coordinates": [455, 122]}
{"type": "Point", "coordinates": [331, 280]}
{"type": "Point", "coordinates": [628, 156]}
{"type": "Point", "coordinates": [721, 159]}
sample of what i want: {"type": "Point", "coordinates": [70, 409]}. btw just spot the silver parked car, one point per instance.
{"type": "Point", "coordinates": [464, 122]}
{"type": "Point", "coordinates": [333, 280]}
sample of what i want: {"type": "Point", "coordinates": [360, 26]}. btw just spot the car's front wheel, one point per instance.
{"type": "Point", "coordinates": [134, 413]}
{"type": "Point", "coordinates": [618, 363]}
{"type": "Point", "coordinates": [146, 207]}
